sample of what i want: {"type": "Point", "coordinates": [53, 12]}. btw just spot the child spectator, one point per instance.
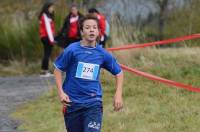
{"type": "Point", "coordinates": [70, 32]}
{"type": "Point", "coordinates": [47, 33]}
{"type": "Point", "coordinates": [102, 24]}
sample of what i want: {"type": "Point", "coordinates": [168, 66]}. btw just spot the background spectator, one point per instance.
{"type": "Point", "coordinates": [70, 32]}
{"type": "Point", "coordinates": [47, 32]}
{"type": "Point", "coordinates": [102, 24]}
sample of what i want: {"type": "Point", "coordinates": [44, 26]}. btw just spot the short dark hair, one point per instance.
{"type": "Point", "coordinates": [93, 10]}
{"type": "Point", "coordinates": [88, 17]}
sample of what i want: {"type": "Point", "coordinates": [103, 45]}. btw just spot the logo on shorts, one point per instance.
{"type": "Point", "coordinates": [94, 125]}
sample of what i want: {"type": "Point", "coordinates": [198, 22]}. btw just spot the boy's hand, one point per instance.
{"type": "Point", "coordinates": [64, 98]}
{"type": "Point", "coordinates": [118, 102]}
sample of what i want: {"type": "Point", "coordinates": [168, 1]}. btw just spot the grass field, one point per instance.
{"type": "Point", "coordinates": [148, 106]}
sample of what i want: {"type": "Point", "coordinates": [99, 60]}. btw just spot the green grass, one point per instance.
{"type": "Point", "coordinates": [44, 114]}
{"type": "Point", "coordinates": [16, 68]}
{"type": "Point", "coordinates": [148, 106]}
{"type": "Point", "coordinates": [19, 38]}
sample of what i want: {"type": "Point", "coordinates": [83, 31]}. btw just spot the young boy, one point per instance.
{"type": "Point", "coordinates": [81, 92]}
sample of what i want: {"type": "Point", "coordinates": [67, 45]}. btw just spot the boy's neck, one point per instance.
{"type": "Point", "coordinates": [88, 44]}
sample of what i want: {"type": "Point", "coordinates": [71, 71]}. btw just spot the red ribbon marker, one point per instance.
{"type": "Point", "coordinates": [153, 77]}
{"type": "Point", "coordinates": [168, 41]}
{"type": "Point", "coordinates": [162, 80]}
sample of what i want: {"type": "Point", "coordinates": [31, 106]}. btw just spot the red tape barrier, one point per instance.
{"type": "Point", "coordinates": [153, 77]}
{"type": "Point", "coordinates": [162, 80]}
{"type": "Point", "coordinates": [168, 41]}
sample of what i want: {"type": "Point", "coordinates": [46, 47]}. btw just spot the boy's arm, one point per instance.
{"type": "Point", "coordinates": [64, 98]}
{"type": "Point", "coordinates": [118, 100]}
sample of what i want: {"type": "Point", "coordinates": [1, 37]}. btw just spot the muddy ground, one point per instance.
{"type": "Point", "coordinates": [15, 91]}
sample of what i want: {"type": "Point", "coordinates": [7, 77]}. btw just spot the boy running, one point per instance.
{"type": "Point", "coordinates": [81, 92]}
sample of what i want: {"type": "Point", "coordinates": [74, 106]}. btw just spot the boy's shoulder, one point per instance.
{"type": "Point", "coordinates": [73, 46]}
{"type": "Point", "coordinates": [103, 50]}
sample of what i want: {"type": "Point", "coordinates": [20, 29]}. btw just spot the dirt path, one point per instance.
{"type": "Point", "coordinates": [15, 91]}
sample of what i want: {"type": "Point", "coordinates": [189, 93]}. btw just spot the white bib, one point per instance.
{"type": "Point", "coordinates": [87, 71]}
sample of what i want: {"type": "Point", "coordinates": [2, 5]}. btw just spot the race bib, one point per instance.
{"type": "Point", "coordinates": [87, 71]}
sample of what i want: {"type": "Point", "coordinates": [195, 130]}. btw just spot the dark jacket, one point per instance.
{"type": "Point", "coordinates": [62, 37]}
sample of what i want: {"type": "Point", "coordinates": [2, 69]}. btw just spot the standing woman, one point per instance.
{"type": "Point", "coordinates": [70, 32]}
{"type": "Point", "coordinates": [47, 33]}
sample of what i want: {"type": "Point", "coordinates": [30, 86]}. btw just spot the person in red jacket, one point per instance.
{"type": "Point", "coordinates": [102, 25]}
{"type": "Point", "coordinates": [70, 31]}
{"type": "Point", "coordinates": [47, 33]}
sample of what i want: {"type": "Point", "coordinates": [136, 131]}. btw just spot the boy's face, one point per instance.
{"type": "Point", "coordinates": [90, 31]}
